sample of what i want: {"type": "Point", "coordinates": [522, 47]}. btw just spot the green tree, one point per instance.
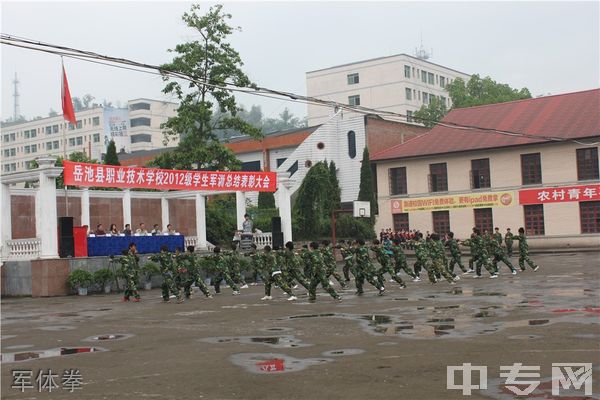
{"type": "Point", "coordinates": [366, 191]}
{"type": "Point", "coordinates": [266, 200]}
{"type": "Point", "coordinates": [111, 157]}
{"type": "Point", "coordinates": [311, 205]}
{"type": "Point", "coordinates": [212, 63]}
{"type": "Point", "coordinates": [430, 114]}
{"type": "Point", "coordinates": [335, 193]}
{"type": "Point", "coordinates": [478, 92]}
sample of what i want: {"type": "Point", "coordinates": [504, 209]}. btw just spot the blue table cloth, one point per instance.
{"type": "Point", "coordinates": [114, 245]}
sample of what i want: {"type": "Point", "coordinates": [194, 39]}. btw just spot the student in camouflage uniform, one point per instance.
{"type": "Point", "coordinates": [423, 257]}
{"type": "Point", "coordinates": [438, 260]}
{"type": "Point", "coordinates": [319, 274]}
{"type": "Point", "coordinates": [275, 276]}
{"type": "Point", "coordinates": [129, 267]}
{"type": "Point", "coordinates": [455, 259]}
{"type": "Point", "coordinates": [365, 269]}
{"type": "Point", "coordinates": [498, 236]}
{"type": "Point", "coordinates": [499, 254]}
{"type": "Point", "coordinates": [255, 264]}
{"type": "Point", "coordinates": [400, 261]}
{"type": "Point", "coordinates": [181, 273]}
{"type": "Point", "coordinates": [167, 269]}
{"type": "Point", "coordinates": [234, 267]}
{"type": "Point", "coordinates": [508, 241]}
{"type": "Point", "coordinates": [330, 264]}
{"type": "Point", "coordinates": [385, 261]}
{"type": "Point", "coordinates": [293, 264]}
{"type": "Point", "coordinates": [524, 251]}
{"type": "Point", "coordinates": [482, 255]}
{"type": "Point", "coordinates": [307, 260]}
{"type": "Point", "coordinates": [195, 274]}
{"type": "Point", "coordinates": [348, 256]}
{"type": "Point", "coordinates": [222, 272]}
{"type": "Point", "coordinates": [472, 250]}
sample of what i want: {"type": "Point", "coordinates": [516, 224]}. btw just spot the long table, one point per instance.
{"type": "Point", "coordinates": [114, 245]}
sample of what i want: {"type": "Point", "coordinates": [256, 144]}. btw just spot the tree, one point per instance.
{"type": "Point", "coordinates": [111, 157]}
{"type": "Point", "coordinates": [285, 121]}
{"type": "Point", "coordinates": [212, 63]}
{"type": "Point", "coordinates": [479, 92]}
{"type": "Point", "coordinates": [432, 113]}
{"type": "Point", "coordinates": [266, 200]}
{"type": "Point", "coordinates": [77, 104]}
{"type": "Point", "coordinates": [366, 191]}
{"type": "Point", "coordinates": [335, 193]}
{"type": "Point", "coordinates": [52, 113]}
{"type": "Point", "coordinates": [87, 100]}
{"type": "Point", "coordinates": [310, 207]}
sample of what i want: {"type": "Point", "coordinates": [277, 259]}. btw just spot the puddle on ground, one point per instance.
{"type": "Point", "coordinates": [35, 355]}
{"type": "Point", "coordinates": [272, 363]}
{"type": "Point", "coordinates": [19, 346]}
{"type": "Point", "coordinates": [190, 313]}
{"type": "Point", "coordinates": [107, 337]}
{"type": "Point", "coordinates": [342, 352]}
{"type": "Point", "coordinates": [56, 328]}
{"type": "Point", "coordinates": [387, 343]}
{"type": "Point", "coordinates": [283, 341]}
{"type": "Point", "coordinates": [6, 337]}
{"type": "Point", "coordinates": [276, 329]}
{"type": "Point", "coordinates": [525, 337]}
{"type": "Point", "coordinates": [245, 306]}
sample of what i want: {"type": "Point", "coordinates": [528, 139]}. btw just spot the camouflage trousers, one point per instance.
{"type": "Point", "coordinates": [437, 269]}
{"type": "Point", "coordinates": [331, 271]}
{"type": "Point", "coordinates": [223, 275]}
{"type": "Point", "coordinates": [348, 267]}
{"type": "Point", "coordinates": [504, 259]}
{"type": "Point", "coordinates": [366, 274]}
{"type": "Point", "coordinates": [524, 258]}
{"type": "Point", "coordinates": [277, 280]}
{"type": "Point", "coordinates": [486, 263]}
{"type": "Point", "coordinates": [455, 260]}
{"type": "Point", "coordinates": [131, 288]}
{"type": "Point", "coordinates": [401, 264]}
{"type": "Point", "coordinates": [387, 268]}
{"type": "Point", "coordinates": [199, 282]}
{"type": "Point", "coordinates": [296, 275]}
{"type": "Point", "coordinates": [169, 287]}
{"type": "Point", "coordinates": [323, 280]}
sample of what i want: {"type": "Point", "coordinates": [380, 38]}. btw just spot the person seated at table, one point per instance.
{"type": "Point", "coordinates": [127, 230]}
{"type": "Point", "coordinates": [113, 229]}
{"type": "Point", "coordinates": [156, 230]}
{"type": "Point", "coordinates": [141, 230]}
{"type": "Point", "coordinates": [170, 230]}
{"type": "Point", "coordinates": [100, 230]}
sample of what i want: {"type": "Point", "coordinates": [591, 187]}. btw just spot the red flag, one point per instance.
{"type": "Point", "coordinates": [67, 103]}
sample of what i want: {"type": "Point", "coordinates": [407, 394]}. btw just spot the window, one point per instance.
{"type": "Point", "coordinates": [430, 78]}
{"type": "Point", "coordinates": [280, 161]}
{"type": "Point", "coordinates": [139, 106]}
{"type": "Point", "coordinates": [79, 124]}
{"type": "Point", "coordinates": [13, 152]}
{"type": "Point", "coordinates": [587, 164]}
{"type": "Point", "coordinates": [406, 71]}
{"type": "Point", "coordinates": [56, 144]}
{"type": "Point", "coordinates": [48, 145]}
{"type": "Point", "coordinates": [425, 98]}
{"type": "Point", "coordinates": [79, 141]}
{"type": "Point", "coordinates": [6, 138]}
{"type": "Point", "coordinates": [408, 94]}
{"type": "Point", "coordinates": [589, 215]}
{"type": "Point", "coordinates": [441, 222]}
{"type": "Point", "coordinates": [409, 115]}
{"type": "Point", "coordinates": [438, 177]}
{"type": "Point", "coordinates": [12, 137]}
{"type": "Point", "coordinates": [352, 79]}
{"type": "Point", "coordinates": [26, 134]}
{"type": "Point", "coordinates": [142, 121]}
{"type": "Point", "coordinates": [398, 181]}
{"type": "Point", "coordinates": [401, 222]}
{"type": "Point", "coordinates": [534, 219]}
{"type": "Point", "coordinates": [442, 81]}
{"type": "Point", "coordinates": [139, 138]}
{"type": "Point", "coordinates": [354, 100]}
{"type": "Point", "coordinates": [423, 76]}
{"type": "Point", "coordinates": [54, 129]}
{"type": "Point", "coordinates": [27, 149]}
{"type": "Point", "coordinates": [71, 141]}
{"type": "Point", "coordinates": [71, 127]}
{"type": "Point", "coordinates": [292, 170]}
{"type": "Point", "coordinates": [443, 100]}
{"type": "Point", "coordinates": [34, 148]}
{"type": "Point", "coordinates": [251, 166]}
{"type": "Point", "coordinates": [96, 121]}
{"type": "Point", "coordinates": [351, 144]}
{"type": "Point", "coordinates": [484, 220]}
{"type": "Point", "coordinates": [531, 168]}
{"type": "Point", "coordinates": [48, 130]}
{"type": "Point", "coordinates": [480, 173]}
{"type": "Point", "coordinates": [96, 138]}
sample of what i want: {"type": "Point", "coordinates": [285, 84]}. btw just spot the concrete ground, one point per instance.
{"type": "Point", "coordinates": [369, 347]}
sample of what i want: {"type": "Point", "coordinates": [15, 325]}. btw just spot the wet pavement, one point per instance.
{"type": "Point", "coordinates": [368, 347]}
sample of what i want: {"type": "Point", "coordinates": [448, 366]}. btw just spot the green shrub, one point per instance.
{"type": "Point", "coordinates": [149, 270]}
{"type": "Point", "coordinates": [80, 278]}
{"type": "Point", "coordinates": [349, 227]}
{"type": "Point", "coordinates": [102, 276]}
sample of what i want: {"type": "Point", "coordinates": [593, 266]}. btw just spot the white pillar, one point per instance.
{"type": "Point", "coordinates": [164, 208]}
{"type": "Point", "coordinates": [5, 222]}
{"type": "Point", "coordinates": [127, 208]}
{"type": "Point", "coordinates": [48, 216]}
{"type": "Point", "coordinates": [201, 221]}
{"type": "Point", "coordinates": [285, 207]}
{"type": "Point", "coordinates": [240, 206]}
{"type": "Point", "coordinates": [85, 207]}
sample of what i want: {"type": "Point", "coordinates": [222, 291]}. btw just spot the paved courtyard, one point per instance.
{"type": "Point", "coordinates": [369, 347]}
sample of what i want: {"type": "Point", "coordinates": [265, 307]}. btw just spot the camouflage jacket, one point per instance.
{"type": "Point", "coordinates": [452, 245]}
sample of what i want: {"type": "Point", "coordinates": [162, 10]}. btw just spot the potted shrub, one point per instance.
{"type": "Point", "coordinates": [102, 278]}
{"type": "Point", "coordinates": [80, 279]}
{"type": "Point", "coordinates": [149, 270]}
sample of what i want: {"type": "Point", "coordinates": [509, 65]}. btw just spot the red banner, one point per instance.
{"type": "Point", "coordinates": [560, 194]}
{"type": "Point", "coordinates": [82, 174]}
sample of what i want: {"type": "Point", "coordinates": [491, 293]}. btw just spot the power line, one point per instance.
{"type": "Point", "coordinates": [89, 56]}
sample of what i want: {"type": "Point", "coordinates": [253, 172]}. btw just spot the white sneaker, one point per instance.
{"type": "Point", "coordinates": [267, 298]}
{"type": "Point", "coordinates": [391, 280]}
{"type": "Point", "coordinates": [493, 276]}
{"type": "Point", "coordinates": [292, 298]}
{"type": "Point", "coordinates": [330, 283]}
{"type": "Point", "coordinates": [416, 279]}
{"type": "Point", "coordinates": [476, 276]}
{"type": "Point", "coordinates": [244, 287]}
{"type": "Point", "coordinates": [457, 278]}
{"type": "Point", "coordinates": [514, 272]}
{"type": "Point", "coordinates": [295, 287]}
{"type": "Point", "coordinates": [235, 292]}
{"type": "Point", "coordinates": [471, 271]}
{"type": "Point", "coordinates": [253, 284]}
{"type": "Point", "coordinates": [536, 268]}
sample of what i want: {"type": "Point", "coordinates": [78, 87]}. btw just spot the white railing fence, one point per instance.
{"type": "Point", "coordinates": [22, 249]}
{"type": "Point", "coordinates": [263, 239]}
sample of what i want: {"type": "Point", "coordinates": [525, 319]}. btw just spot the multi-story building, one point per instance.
{"type": "Point", "coordinates": [533, 165]}
{"type": "Point", "coordinates": [136, 127]}
{"type": "Point", "coordinates": [399, 83]}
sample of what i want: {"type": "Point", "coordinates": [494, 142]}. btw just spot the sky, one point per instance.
{"type": "Point", "coordinates": [548, 47]}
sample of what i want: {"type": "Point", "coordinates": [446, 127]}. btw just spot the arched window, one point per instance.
{"type": "Point", "coordinates": [351, 144]}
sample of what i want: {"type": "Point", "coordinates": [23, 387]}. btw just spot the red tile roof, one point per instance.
{"type": "Point", "coordinates": [567, 116]}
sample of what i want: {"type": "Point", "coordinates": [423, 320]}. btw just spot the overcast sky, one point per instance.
{"type": "Point", "coordinates": [549, 47]}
